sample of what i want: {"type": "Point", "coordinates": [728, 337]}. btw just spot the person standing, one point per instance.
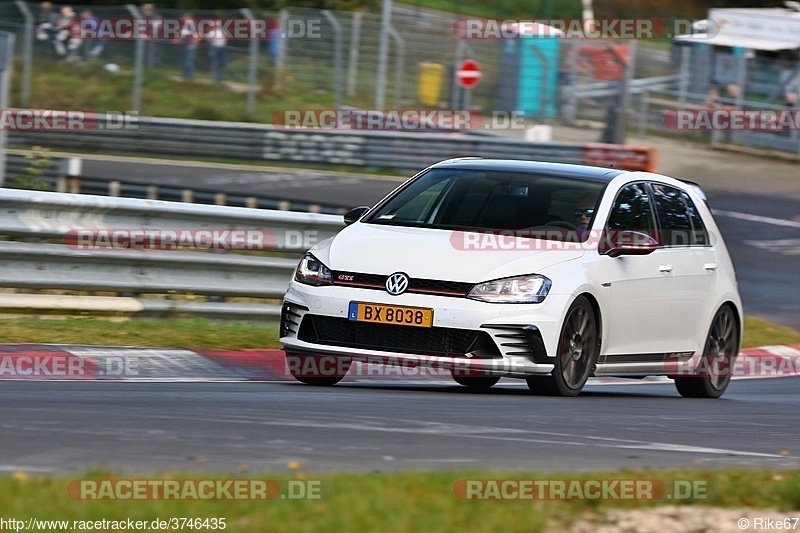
{"type": "Point", "coordinates": [155, 25]}
{"type": "Point", "coordinates": [218, 51]}
{"type": "Point", "coordinates": [95, 46]}
{"type": "Point", "coordinates": [46, 22]}
{"type": "Point", "coordinates": [67, 34]}
{"type": "Point", "coordinates": [188, 43]}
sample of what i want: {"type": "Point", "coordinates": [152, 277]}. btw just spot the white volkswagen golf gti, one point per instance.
{"type": "Point", "coordinates": [547, 272]}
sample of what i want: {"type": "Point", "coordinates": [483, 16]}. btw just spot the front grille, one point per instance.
{"type": "Point", "coordinates": [445, 342]}
{"type": "Point", "coordinates": [415, 285]}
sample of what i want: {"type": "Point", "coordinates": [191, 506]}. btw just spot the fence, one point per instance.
{"type": "Point", "coordinates": [335, 57]}
{"type": "Point", "coordinates": [42, 216]}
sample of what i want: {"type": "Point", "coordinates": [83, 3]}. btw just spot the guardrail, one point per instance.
{"type": "Point", "coordinates": [611, 88]}
{"type": "Point", "coordinates": [53, 216]}
{"type": "Point", "coordinates": [17, 165]}
{"type": "Point", "coordinates": [66, 175]}
{"type": "Point", "coordinates": [396, 150]}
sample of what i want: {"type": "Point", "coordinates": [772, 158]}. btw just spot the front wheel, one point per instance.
{"type": "Point", "coordinates": [578, 349]}
{"type": "Point", "coordinates": [318, 370]}
{"type": "Point", "coordinates": [716, 365]}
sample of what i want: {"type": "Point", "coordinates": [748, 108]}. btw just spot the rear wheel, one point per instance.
{"type": "Point", "coordinates": [716, 366]}
{"type": "Point", "coordinates": [476, 382]}
{"type": "Point", "coordinates": [318, 370]}
{"type": "Point", "coordinates": [578, 349]}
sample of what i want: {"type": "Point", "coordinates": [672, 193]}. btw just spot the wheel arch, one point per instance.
{"type": "Point", "coordinates": [598, 315]}
{"type": "Point", "coordinates": [739, 319]}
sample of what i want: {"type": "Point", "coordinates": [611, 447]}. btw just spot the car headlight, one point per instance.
{"type": "Point", "coordinates": [530, 289]}
{"type": "Point", "coordinates": [311, 271]}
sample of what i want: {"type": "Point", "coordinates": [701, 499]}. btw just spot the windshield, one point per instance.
{"type": "Point", "coordinates": [478, 200]}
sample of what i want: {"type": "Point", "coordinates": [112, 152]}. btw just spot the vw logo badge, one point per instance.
{"type": "Point", "coordinates": [397, 284]}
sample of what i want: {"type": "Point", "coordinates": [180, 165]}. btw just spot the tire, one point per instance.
{"type": "Point", "coordinates": [316, 369]}
{"type": "Point", "coordinates": [578, 349]}
{"type": "Point", "coordinates": [719, 353]}
{"type": "Point", "coordinates": [477, 383]}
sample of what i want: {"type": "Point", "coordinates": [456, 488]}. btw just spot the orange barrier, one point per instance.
{"type": "Point", "coordinates": [643, 158]}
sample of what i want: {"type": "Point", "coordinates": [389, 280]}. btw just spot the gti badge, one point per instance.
{"type": "Point", "coordinates": [397, 284]}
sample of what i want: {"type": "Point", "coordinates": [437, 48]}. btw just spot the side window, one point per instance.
{"type": "Point", "coordinates": [673, 214]}
{"type": "Point", "coordinates": [631, 210]}
{"type": "Point", "coordinates": [699, 232]}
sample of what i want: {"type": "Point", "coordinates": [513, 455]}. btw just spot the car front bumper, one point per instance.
{"type": "Point", "coordinates": [524, 336]}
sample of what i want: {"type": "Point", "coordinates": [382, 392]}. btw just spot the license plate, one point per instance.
{"type": "Point", "coordinates": [391, 314]}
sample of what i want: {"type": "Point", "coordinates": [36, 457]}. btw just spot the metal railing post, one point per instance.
{"type": "Point", "coordinates": [399, 66]}
{"type": "Point", "coordinates": [683, 83]}
{"type": "Point", "coordinates": [383, 53]}
{"type": "Point", "coordinates": [138, 70]}
{"type": "Point", "coordinates": [6, 64]}
{"type": "Point", "coordinates": [355, 44]}
{"type": "Point", "coordinates": [644, 109]}
{"type": "Point", "coordinates": [252, 65]}
{"type": "Point", "coordinates": [337, 58]}
{"type": "Point", "coordinates": [280, 60]}
{"type": "Point", "coordinates": [27, 52]}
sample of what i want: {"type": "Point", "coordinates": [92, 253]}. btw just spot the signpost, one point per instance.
{"type": "Point", "coordinates": [6, 59]}
{"type": "Point", "coordinates": [469, 74]}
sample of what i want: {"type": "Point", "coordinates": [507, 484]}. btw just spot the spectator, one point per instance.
{"type": "Point", "coordinates": [275, 44]}
{"type": "Point", "coordinates": [68, 35]}
{"type": "Point", "coordinates": [89, 22]}
{"type": "Point", "coordinates": [790, 99]}
{"type": "Point", "coordinates": [713, 99]}
{"type": "Point", "coordinates": [155, 28]}
{"type": "Point", "coordinates": [734, 93]}
{"type": "Point", "coordinates": [188, 42]}
{"type": "Point", "coordinates": [218, 51]}
{"type": "Point", "coordinates": [46, 22]}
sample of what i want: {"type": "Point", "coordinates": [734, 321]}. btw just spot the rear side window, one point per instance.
{"type": "Point", "coordinates": [632, 211]}
{"type": "Point", "coordinates": [681, 224]}
{"type": "Point", "coordinates": [699, 232]}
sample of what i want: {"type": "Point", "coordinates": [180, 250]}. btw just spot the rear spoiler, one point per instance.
{"type": "Point", "coordinates": [698, 189]}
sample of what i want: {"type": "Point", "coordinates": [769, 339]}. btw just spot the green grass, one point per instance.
{"type": "Point", "coordinates": [189, 333]}
{"type": "Point", "coordinates": [58, 85]}
{"type": "Point", "coordinates": [759, 332]}
{"type": "Point", "coordinates": [202, 333]}
{"type": "Point", "coordinates": [400, 501]}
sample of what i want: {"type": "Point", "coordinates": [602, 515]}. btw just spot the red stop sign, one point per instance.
{"type": "Point", "coordinates": [468, 74]}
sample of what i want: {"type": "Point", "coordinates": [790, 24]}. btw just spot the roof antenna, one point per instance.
{"type": "Point", "coordinates": [611, 165]}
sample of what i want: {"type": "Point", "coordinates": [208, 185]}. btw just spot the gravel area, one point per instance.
{"type": "Point", "coordinates": [687, 519]}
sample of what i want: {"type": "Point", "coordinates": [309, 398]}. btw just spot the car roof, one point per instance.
{"type": "Point", "coordinates": [555, 170]}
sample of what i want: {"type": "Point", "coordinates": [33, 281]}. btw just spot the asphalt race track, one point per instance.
{"type": "Point", "coordinates": [66, 427]}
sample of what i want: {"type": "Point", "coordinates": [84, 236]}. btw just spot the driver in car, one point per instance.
{"type": "Point", "coordinates": [584, 213]}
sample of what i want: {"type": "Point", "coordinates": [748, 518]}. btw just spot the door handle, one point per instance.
{"type": "Point", "coordinates": [710, 266]}
{"type": "Point", "coordinates": [665, 268]}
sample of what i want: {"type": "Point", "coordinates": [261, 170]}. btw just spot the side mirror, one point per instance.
{"type": "Point", "coordinates": [628, 242]}
{"type": "Point", "coordinates": [354, 214]}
